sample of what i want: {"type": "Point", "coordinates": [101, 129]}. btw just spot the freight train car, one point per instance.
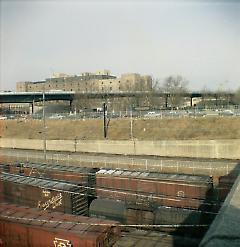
{"type": "Point", "coordinates": [108, 209]}
{"type": "Point", "coordinates": [224, 186]}
{"type": "Point", "coordinates": [73, 174]}
{"type": "Point", "coordinates": [44, 194]}
{"type": "Point", "coordinates": [152, 188]}
{"type": "Point", "coordinates": [142, 238]}
{"type": "Point", "coordinates": [118, 210]}
{"type": "Point", "coordinates": [27, 227]}
{"type": "Point", "coordinates": [198, 221]}
{"type": "Point", "coordinates": [77, 175]}
{"type": "Point", "coordinates": [4, 168]}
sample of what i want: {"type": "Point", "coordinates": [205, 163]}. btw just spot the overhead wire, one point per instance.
{"type": "Point", "coordinates": [105, 224]}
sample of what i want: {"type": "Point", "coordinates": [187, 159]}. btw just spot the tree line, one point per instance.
{"type": "Point", "coordinates": [174, 86]}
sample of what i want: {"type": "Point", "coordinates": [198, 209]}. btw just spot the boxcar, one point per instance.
{"type": "Point", "coordinates": [108, 209]}
{"type": "Point", "coordinates": [118, 210]}
{"type": "Point", "coordinates": [141, 238]}
{"type": "Point", "coordinates": [44, 194]}
{"type": "Point", "coordinates": [74, 174]}
{"type": "Point", "coordinates": [151, 188]}
{"type": "Point", "coordinates": [224, 186]}
{"type": "Point", "coordinates": [26, 227]}
{"type": "Point", "coordinates": [4, 168]}
{"type": "Point", "coordinates": [197, 221]}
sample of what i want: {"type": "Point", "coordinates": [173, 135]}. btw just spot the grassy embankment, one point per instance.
{"type": "Point", "coordinates": [162, 129]}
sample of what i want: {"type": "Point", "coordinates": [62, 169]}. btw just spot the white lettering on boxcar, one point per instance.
{"type": "Point", "coordinates": [180, 193]}
{"type": "Point", "coordinates": [58, 242]}
{"type": "Point", "coordinates": [46, 193]}
{"type": "Point", "coordinates": [53, 202]}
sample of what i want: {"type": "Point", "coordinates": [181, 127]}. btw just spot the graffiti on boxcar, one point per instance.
{"type": "Point", "coordinates": [58, 242]}
{"type": "Point", "coordinates": [53, 202]}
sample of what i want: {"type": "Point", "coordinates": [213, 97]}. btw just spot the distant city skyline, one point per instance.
{"type": "Point", "coordinates": [199, 40]}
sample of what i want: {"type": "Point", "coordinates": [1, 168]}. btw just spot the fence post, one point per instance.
{"type": "Point", "coordinates": [146, 163]}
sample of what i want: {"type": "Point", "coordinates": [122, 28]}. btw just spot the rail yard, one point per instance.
{"type": "Point", "coordinates": [131, 207]}
{"type": "Point", "coordinates": [72, 198]}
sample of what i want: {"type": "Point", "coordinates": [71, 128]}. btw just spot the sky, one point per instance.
{"type": "Point", "coordinates": [199, 40]}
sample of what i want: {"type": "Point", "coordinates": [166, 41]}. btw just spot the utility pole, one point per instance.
{"type": "Point", "coordinates": [104, 120]}
{"type": "Point", "coordinates": [44, 128]}
{"type": "Point", "coordinates": [131, 125]}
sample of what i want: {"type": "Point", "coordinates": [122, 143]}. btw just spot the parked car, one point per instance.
{"type": "Point", "coordinates": [196, 114]}
{"type": "Point", "coordinates": [56, 116]}
{"type": "Point", "coordinates": [152, 114]}
{"type": "Point", "coordinates": [226, 113]}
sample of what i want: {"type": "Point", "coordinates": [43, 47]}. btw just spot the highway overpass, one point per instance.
{"type": "Point", "coordinates": [31, 97]}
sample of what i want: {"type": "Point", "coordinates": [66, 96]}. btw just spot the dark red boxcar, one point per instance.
{"type": "Point", "coordinates": [26, 227]}
{"type": "Point", "coordinates": [137, 187]}
{"type": "Point", "coordinates": [44, 194]}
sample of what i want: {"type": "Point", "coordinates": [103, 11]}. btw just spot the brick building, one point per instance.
{"type": "Point", "coordinates": [101, 81]}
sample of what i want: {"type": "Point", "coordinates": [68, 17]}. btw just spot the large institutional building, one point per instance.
{"type": "Point", "coordinates": [101, 81]}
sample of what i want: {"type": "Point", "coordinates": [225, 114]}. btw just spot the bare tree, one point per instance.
{"type": "Point", "coordinates": [176, 87]}
{"type": "Point", "coordinates": [155, 101]}
{"type": "Point", "coordinates": [205, 97]}
{"type": "Point", "coordinates": [236, 97]}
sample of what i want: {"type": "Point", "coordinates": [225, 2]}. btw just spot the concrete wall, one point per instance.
{"type": "Point", "coordinates": [228, 149]}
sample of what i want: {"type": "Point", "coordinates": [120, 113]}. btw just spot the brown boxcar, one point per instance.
{"type": "Point", "coordinates": [224, 186]}
{"type": "Point", "coordinates": [179, 185]}
{"type": "Point", "coordinates": [74, 174]}
{"type": "Point", "coordinates": [26, 227]}
{"type": "Point", "coordinates": [44, 194]}
{"type": "Point", "coordinates": [177, 190]}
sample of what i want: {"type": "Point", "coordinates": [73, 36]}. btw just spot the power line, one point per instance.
{"type": "Point", "coordinates": [106, 224]}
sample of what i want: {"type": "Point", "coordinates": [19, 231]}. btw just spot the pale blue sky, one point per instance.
{"type": "Point", "coordinates": [199, 40]}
